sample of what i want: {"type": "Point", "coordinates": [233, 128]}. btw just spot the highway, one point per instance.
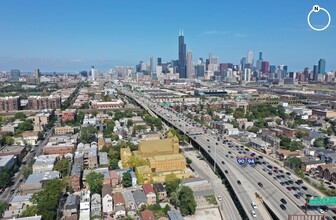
{"type": "Point", "coordinates": [272, 190]}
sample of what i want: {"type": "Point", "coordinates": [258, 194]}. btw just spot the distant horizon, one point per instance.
{"type": "Point", "coordinates": [71, 36]}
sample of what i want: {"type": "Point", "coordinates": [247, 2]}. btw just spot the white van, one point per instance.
{"type": "Point", "coordinates": [254, 205]}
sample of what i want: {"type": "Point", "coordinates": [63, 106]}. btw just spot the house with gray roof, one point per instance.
{"type": "Point", "coordinates": [174, 215]}
{"type": "Point", "coordinates": [35, 181]}
{"type": "Point", "coordinates": [96, 205]}
{"type": "Point", "coordinates": [103, 160]}
{"type": "Point", "coordinates": [17, 206]}
{"type": "Point", "coordinates": [129, 200]}
{"type": "Point", "coordinates": [139, 198]}
{"type": "Point", "coordinates": [71, 206]}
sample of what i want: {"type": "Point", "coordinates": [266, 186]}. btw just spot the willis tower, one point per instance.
{"type": "Point", "coordinates": [182, 67]}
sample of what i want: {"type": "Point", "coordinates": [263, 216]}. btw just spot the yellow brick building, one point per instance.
{"type": "Point", "coordinates": [163, 157]}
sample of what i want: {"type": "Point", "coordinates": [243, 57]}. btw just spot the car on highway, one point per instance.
{"type": "Point", "coordinates": [288, 173]}
{"type": "Point", "coordinates": [209, 151]}
{"type": "Point", "coordinates": [304, 187]}
{"type": "Point", "coordinates": [283, 201]}
{"type": "Point", "coordinates": [253, 213]}
{"type": "Point", "coordinates": [223, 162]}
{"type": "Point", "coordinates": [238, 182]}
{"type": "Point", "coordinates": [219, 198]}
{"type": "Point", "coordinates": [297, 196]}
{"type": "Point", "coordinates": [254, 205]}
{"type": "Point", "coordinates": [283, 207]}
{"type": "Point", "coordinates": [289, 188]}
{"type": "Point", "coordinates": [281, 171]}
{"type": "Point", "coordinates": [226, 171]}
{"type": "Point", "coordinates": [260, 184]}
{"type": "Point", "coordinates": [229, 152]}
{"type": "Point", "coordinates": [319, 210]}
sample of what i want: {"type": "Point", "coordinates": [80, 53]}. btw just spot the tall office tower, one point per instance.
{"type": "Point", "coordinates": [223, 70]}
{"type": "Point", "coordinates": [306, 72]}
{"type": "Point", "coordinates": [259, 61]}
{"type": "Point", "coordinates": [15, 75]}
{"type": "Point", "coordinates": [265, 67]}
{"type": "Point", "coordinates": [322, 66]}
{"type": "Point", "coordinates": [200, 70]}
{"type": "Point", "coordinates": [285, 68]}
{"type": "Point", "coordinates": [247, 75]}
{"type": "Point", "coordinates": [190, 66]}
{"type": "Point", "coordinates": [315, 73]}
{"type": "Point", "coordinates": [159, 61]}
{"type": "Point", "coordinates": [242, 63]}
{"type": "Point", "coordinates": [249, 58]}
{"type": "Point", "coordinates": [212, 66]}
{"type": "Point", "coordinates": [182, 56]}
{"type": "Point", "coordinates": [272, 69]}
{"type": "Point", "coordinates": [94, 73]}
{"type": "Point", "coordinates": [153, 68]}
{"type": "Point", "coordinates": [37, 74]}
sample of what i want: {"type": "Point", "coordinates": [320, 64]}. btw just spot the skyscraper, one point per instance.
{"type": "Point", "coordinates": [249, 58]}
{"type": "Point", "coordinates": [190, 66]}
{"type": "Point", "coordinates": [94, 73]}
{"type": "Point", "coordinates": [315, 72]}
{"type": "Point", "coordinates": [182, 56]}
{"type": "Point", "coordinates": [259, 61]}
{"type": "Point", "coordinates": [153, 68]}
{"type": "Point", "coordinates": [37, 74]}
{"type": "Point", "coordinates": [15, 75]}
{"type": "Point", "coordinates": [321, 66]}
{"type": "Point", "coordinates": [265, 67]}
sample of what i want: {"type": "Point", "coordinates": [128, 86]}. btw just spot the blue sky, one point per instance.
{"type": "Point", "coordinates": [72, 35]}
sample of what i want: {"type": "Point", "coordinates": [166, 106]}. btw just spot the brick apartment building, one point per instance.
{"type": "Point", "coordinates": [68, 116]}
{"type": "Point", "coordinates": [10, 103]}
{"type": "Point", "coordinates": [64, 130]}
{"type": "Point", "coordinates": [44, 102]}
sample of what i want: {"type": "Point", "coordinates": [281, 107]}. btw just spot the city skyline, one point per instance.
{"type": "Point", "coordinates": [60, 38]}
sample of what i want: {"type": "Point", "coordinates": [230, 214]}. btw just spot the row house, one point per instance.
{"type": "Point", "coordinates": [327, 171]}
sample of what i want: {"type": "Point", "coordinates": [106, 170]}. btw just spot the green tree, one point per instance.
{"type": "Point", "coordinates": [47, 200]}
{"type": "Point", "coordinates": [172, 183]}
{"type": "Point", "coordinates": [9, 140]}
{"type": "Point", "coordinates": [95, 182]}
{"type": "Point", "coordinates": [19, 115]}
{"type": "Point", "coordinates": [129, 123]}
{"type": "Point", "coordinates": [3, 206]}
{"type": "Point", "coordinates": [187, 201]}
{"type": "Point", "coordinates": [127, 179]}
{"type": "Point", "coordinates": [26, 172]}
{"type": "Point", "coordinates": [278, 121]}
{"type": "Point", "coordinates": [320, 142]}
{"type": "Point", "coordinates": [228, 110]}
{"type": "Point", "coordinates": [135, 161]}
{"type": "Point", "coordinates": [188, 160]}
{"type": "Point", "coordinates": [87, 134]}
{"type": "Point", "coordinates": [4, 178]}
{"type": "Point", "coordinates": [301, 134]}
{"type": "Point", "coordinates": [285, 141]}
{"type": "Point", "coordinates": [239, 113]}
{"type": "Point", "coordinates": [29, 211]}
{"type": "Point", "coordinates": [114, 164]}
{"type": "Point", "coordinates": [26, 126]}
{"type": "Point", "coordinates": [295, 162]}
{"type": "Point", "coordinates": [63, 166]}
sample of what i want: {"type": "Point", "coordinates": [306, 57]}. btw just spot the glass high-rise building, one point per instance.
{"type": "Point", "coordinates": [15, 75]}
{"type": "Point", "coordinates": [315, 72]}
{"type": "Point", "coordinates": [322, 66]}
{"type": "Point", "coordinates": [182, 47]}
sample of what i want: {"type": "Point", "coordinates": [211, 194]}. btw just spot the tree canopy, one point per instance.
{"type": "Point", "coordinates": [127, 179]}
{"type": "Point", "coordinates": [46, 201]}
{"type": "Point", "coordinates": [87, 134]}
{"type": "Point", "coordinates": [63, 166]}
{"type": "Point", "coordinates": [95, 182]}
{"type": "Point", "coordinates": [187, 201]}
{"type": "Point", "coordinates": [172, 183]}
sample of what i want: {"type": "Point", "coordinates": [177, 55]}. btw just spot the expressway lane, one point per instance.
{"type": "Point", "coordinates": [272, 191]}
{"type": "Point", "coordinates": [202, 169]}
